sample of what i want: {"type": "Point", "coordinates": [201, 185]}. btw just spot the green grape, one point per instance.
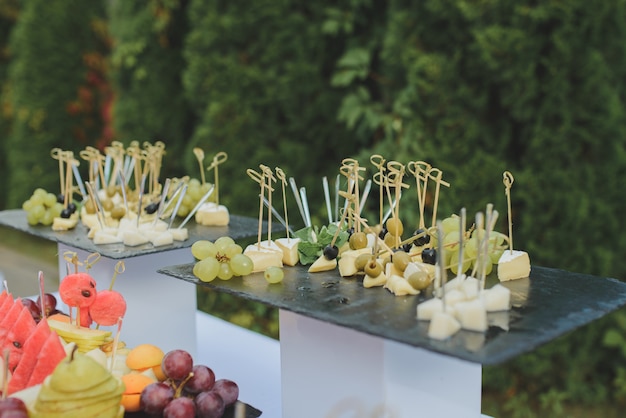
{"type": "Point", "coordinates": [454, 267]}
{"type": "Point", "coordinates": [471, 248]}
{"type": "Point", "coordinates": [194, 182]}
{"type": "Point", "coordinates": [488, 268]}
{"type": "Point", "coordinates": [40, 192]}
{"type": "Point", "coordinates": [183, 210]}
{"type": "Point", "coordinates": [37, 199]}
{"type": "Point", "coordinates": [31, 219]}
{"type": "Point", "coordinates": [241, 265]}
{"type": "Point", "coordinates": [195, 193]}
{"type": "Point", "coordinates": [38, 211]}
{"type": "Point", "coordinates": [49, 200]}
{"type": "Point", "coordinates": [232, 249]}
{"type": "Point", "coordinates": [202, 249]}
{"type": "Point", "coordinates": [207, 269]}
{"type": "Point", "coordinates": [57, 209]}
{"type": "Point", "coordinates": [450, 224]}
{"type": "Point", "coordinates": [204, 189]}
{"type": "Point", "coordinates": [274, 274]}
{"type": "Point", "coordinates": [47, 218]}
{"type": "Point", "coordinates": [27, 205]}
{"type": "Point", "coordinates": [223, 242]}
{"type": "Point", "coordinates": [188, 201]}
{"type": "Point", "coordinates": [225, 272]}
{"type": "Point", "coordinates": [451, 240]}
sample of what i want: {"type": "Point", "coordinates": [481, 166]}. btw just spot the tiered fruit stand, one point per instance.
{"type": "Point", "coordinates": [344, 350]}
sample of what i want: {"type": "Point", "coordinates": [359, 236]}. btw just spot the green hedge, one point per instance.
{"type": "Point", "coordinates": [55, 90]}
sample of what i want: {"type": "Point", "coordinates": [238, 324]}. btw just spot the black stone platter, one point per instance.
{"type": "Point", "coordinates": [229, 412]}
{"type": "Point", "coordinates": [546, 305]}
{"type": "Point", "coordinates": [239, 227]}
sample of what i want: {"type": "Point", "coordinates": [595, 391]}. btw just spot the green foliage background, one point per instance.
{"type": "Point", "coordinates": [474, 87]}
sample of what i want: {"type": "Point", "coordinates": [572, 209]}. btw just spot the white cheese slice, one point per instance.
{"type": "Point", "coordinates": [211, 214]}
{"type": "Point", "coordinates": [133, 238]}
{"type": "Point", "coordinates": [442, 326]}
{"type": "Point", "coordinates": [428, 308]}
{"type": "Point", "coordinates": [323, 264]}
{"type": "Point", "coordinates": [470, 287]}
{"type": "Point", "coordinates": [179, 234]}
{"type": "Point", "coordinates": [399, 286]}
{"type": "Point", "coordinates": [513, 265]}
{"type": "Point", "coordinates": [162, 238]}
{"type": "Point", "coordinates": [104, 237]}
{"type": "Point", "coordinates": [346, 264]}
{"type": "Point", "coordinates": [263, 258]}
{"type": "Point", "coordinates": [64, 224]}
{"type": "Point", "coordinates": [374, 281]}
{"type": "Point", "coordinates": [289, 247]}
{"type": "Point", "coordinates": [497, 298]}
{"type": "Point", "coordinates": [472, 315]}
{"type": "Point", "coordinates": [454, 296]}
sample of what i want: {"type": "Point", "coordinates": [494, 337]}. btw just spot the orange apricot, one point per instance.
{"type": "Point", "coordinates": [144, 356]}
{"type": "Point", "coordinates": [60, 317]}
{"type": "Point", "coordinates": [134, 384]}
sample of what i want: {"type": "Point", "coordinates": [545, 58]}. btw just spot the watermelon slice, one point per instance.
{"type": "Point", "coordinates": [52, 352]}
{"type": "Point", "coordinates": [16, 337]}
{"type": "Point", "coordinates": [6, 323]}
{"type": "Point", "coordinates": [4, 296]}
{"type": "Point", "coordinates": [32, 347]}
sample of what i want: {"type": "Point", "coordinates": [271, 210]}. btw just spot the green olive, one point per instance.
{"type": "Point", "coordinates": [361, 260]}
{"type": "Point", "coordinates": [394, 227]}
{"type": "Point", "coordinates": [89, 207]}
{"type": "Point", "coordinates": [118, 212]}
{"type": "Point", "coordinates": [373, 268]}
{"type": "Point", "coordinates": [419, 280]}
{"type": "Point", "coordinates": [400, 260]}
{"type": "Point", "coordinates": [358, 240]}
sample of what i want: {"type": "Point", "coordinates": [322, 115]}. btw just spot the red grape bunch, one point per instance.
{"type": "Point", "coordinates": [190, 390]}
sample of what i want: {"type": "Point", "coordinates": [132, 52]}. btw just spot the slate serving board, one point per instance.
{"type": "Point", "coordinates": [239, 227]}
{"type": "Point", "coordinates": [545, 306]}
{"type": "Point", "coordinates": [229, 412]}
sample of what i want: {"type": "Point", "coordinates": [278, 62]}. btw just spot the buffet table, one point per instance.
{"type": "Point", "coordinates": [344, 351]}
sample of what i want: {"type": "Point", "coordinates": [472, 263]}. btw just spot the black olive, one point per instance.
{"type": "Point", "coordinates": [66, 213]}
{"type": "Point", "coordinates": [151, 208]}
{"type": "Point", "coordinates": [60, 198]}
{"type": "Point", "coordinates": [429, 256]}
{"type": "Point", "coordinates": [72, 207]}
{"type": "Point", "coordinates": [331, 252]}
{"type": "Point", "coordinates": [423, 240]}
{"type": "Point", "coordinates": [383, 232]}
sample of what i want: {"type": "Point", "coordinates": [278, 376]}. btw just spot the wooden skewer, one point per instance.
{"type": "Point", "coordinates": [280, 174]}
{"type": "Point", "coordinates": [438, 183]}
{"type": "Point", "coordinates": [379, 162]}
{"type": "Point", "coordinates": [507, 179]}
{"type": "Point", "coordinates": [199, 153]}
{"type": "Point", "coordinates": [260, 179]}
{"type": "Point", "coordinates": [219, 158]}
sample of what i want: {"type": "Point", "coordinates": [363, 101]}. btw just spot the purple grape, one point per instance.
{"type": "Point", "coordinates": [209, 404]}
{"type": "Point", "coordinates": [13, 408]}
{"type": "Point", "coordinates": [155, 397]}
{"type": "Point", "coordinates": [227, 389]}
{"type": "Point", "coordinates": [177, 364]}
{"type": "Point", "coordinates": [202, 380]}
{"type": "Point", "coordinates": [33, 308]}
{"type": "Point", "coordinates": [49, 303]}
{"type": "Point", "coordinates": [180, 408]}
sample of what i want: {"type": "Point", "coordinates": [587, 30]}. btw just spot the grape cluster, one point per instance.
{"type": "Point", "coordinates": [42, 207]}
{"type": "Point", "coordinates": [472, 241]}
{"type": "Point", "coordinates": [223, 259]}
{"type": "Point", "coordinates": [13, 407]}
{"type": "Point", "coordinates": [190, 390]}
{"type": "Point", "coordinates": [34, 307]}
{"type": "Point", "coordinates": [195, 191]}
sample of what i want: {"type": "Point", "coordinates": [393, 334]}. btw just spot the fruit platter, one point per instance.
{"type": "Point", "coordinates": [57, 361]}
